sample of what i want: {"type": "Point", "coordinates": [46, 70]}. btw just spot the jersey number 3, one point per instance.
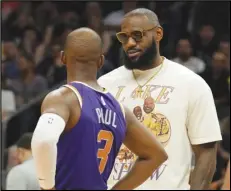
{"type": "Point", "coordinates": [103, 153]}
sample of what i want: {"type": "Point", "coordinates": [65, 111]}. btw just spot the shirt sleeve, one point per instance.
{"type": "Point", "coordinates": [202, 124]}
{"type": "Point", "coordinates": [16, 180]}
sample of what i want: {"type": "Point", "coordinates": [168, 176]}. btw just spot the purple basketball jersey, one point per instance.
{"type": "Point", "coordinates": [86, 153]}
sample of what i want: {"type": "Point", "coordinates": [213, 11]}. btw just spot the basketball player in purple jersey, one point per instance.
{"type": "Point", "coordinates": [82, 127]}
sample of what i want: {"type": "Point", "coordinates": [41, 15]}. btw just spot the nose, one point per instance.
{"type": "Point", "coordinates": [131, 43]}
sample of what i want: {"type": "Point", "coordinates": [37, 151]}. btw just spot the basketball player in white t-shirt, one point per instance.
{"type": "Point", "coordinates": [173, 102]}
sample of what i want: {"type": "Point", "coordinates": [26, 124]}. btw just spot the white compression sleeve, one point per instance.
{"type": "Point", "coordinates": [44, 148]}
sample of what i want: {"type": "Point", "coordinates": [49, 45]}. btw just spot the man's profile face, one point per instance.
{"type": "Point", "coordinates": [138, 54]}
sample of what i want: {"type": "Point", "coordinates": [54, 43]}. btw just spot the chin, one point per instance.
{"type": "Point", "coordinates": [136, 59]}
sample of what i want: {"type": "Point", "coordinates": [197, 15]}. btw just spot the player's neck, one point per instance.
{"type": "Point", "coordinates": [81, 78]}
{"type": "Point", "coordinates": [81, 73]}
{"type": "Point", "coordinates": [85, 78]}
{"type": "Point", "coordinates": [157, 61]}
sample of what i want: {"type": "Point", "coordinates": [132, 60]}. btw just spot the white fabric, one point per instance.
{"type": "Point", "coordinates": [23, 177]}
{"type": "Point", "coordinates": [8, 101]}
{"type": "Point", "coordinates": [44, 148]}
{"type": "Point", "coordinates": [184, 113]}
{"type": "Point", "coordinates": [114, 19]}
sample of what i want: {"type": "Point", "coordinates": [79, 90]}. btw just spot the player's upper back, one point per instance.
{"type": "Point", "coordinates": [91, 146]}
{"type": "Point", "coordinates": [98, 108]}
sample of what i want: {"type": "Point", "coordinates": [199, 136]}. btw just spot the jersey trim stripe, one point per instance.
{"type": "Point", "coordinates": [76, 93]}
{"type": "Point", "coordinates": [105, 90]}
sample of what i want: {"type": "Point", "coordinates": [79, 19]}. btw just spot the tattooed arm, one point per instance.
{"type": "Point", "coordinates": [205, 166]}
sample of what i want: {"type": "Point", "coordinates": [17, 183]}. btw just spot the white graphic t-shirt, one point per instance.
{"type": "Point", "coordinates": [178, 107]}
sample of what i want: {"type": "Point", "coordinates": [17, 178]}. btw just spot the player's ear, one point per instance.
{"type": "Point", "coordinates": [159, 34]}
{"type": "Point", "coordinates": [63, 57]}
{"type": "Point", "coordinates": [101, 62]}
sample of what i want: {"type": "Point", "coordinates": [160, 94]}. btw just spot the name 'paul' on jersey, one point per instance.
{"type": "Point", "coordinates": [86, 153]}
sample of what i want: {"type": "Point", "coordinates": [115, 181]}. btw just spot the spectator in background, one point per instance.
{"type": "Point", "coordinates": [112, 60]}
{"type": "Point", "coordinates": [8, 98]}
{"type": "Point", "coordinates": [94, 20]}
{"type": "Point", "coordinates": [8, 7]}
{"type": "Point", "coordinates": [206, 44]}
{"type": "Point", "coordinates": [114, 19]}
{"type": "Point", "coordinates": [23, 176]}
{"type": "Point", "coordinates": [72, 18]}
{"type": "Point", "coordinates": [184, 57]}
{"type": "Point", "coordinates": [57, 72]}
{"type": "Point", "coordinates": [28, 85]}
{"type": "Point", "coordinates": [2, 51]}
{"type": "Point", "coordinates": [17, 22]}
{"type": "Point", "coordinates": [217, 78]}
{"type": "Point", "coordinates": [11, 70]}
{"type": "Point", "coordinates": [12, 159]}
{"type": "Point", "coordinates": [46, 14]}
{"type": "Point", "coordinates": [30, 40]}
{"type": "Point", "coordinates": [41, 50]}
{"type": "Point", "coordinates": [61, 30]}
{"type": "Point", "coordinates": [52, 68]}
{"type": "Point", "coordinates": [224, 47]}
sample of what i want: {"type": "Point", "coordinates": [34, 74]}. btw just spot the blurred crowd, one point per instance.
{"type": "Point", "coordinates": [196, 35]}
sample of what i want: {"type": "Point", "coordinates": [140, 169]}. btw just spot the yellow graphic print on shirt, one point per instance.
{"type": "Point", "coordinates": [156, 122]}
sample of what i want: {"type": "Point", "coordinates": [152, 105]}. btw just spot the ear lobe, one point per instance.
{"type": "Point", "coordinates": [63, 58]}
{"type": "Point", "coordinates": [159, 34]}
{"type": "Point", "coordinates": [101, 63]}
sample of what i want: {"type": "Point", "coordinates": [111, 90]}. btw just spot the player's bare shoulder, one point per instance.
{"type": "Point", "coordinates": [65, 103]}
{"type": "Point", "coordinates": [57, 96]}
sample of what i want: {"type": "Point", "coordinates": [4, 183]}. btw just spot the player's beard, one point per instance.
{"type": "Point", "coordinates": [145, 61]}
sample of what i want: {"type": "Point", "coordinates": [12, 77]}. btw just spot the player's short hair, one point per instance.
{"type": "Point", "coordinates": [152, 17]}
{"type": "Point", "coordinates": [25, 141]}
